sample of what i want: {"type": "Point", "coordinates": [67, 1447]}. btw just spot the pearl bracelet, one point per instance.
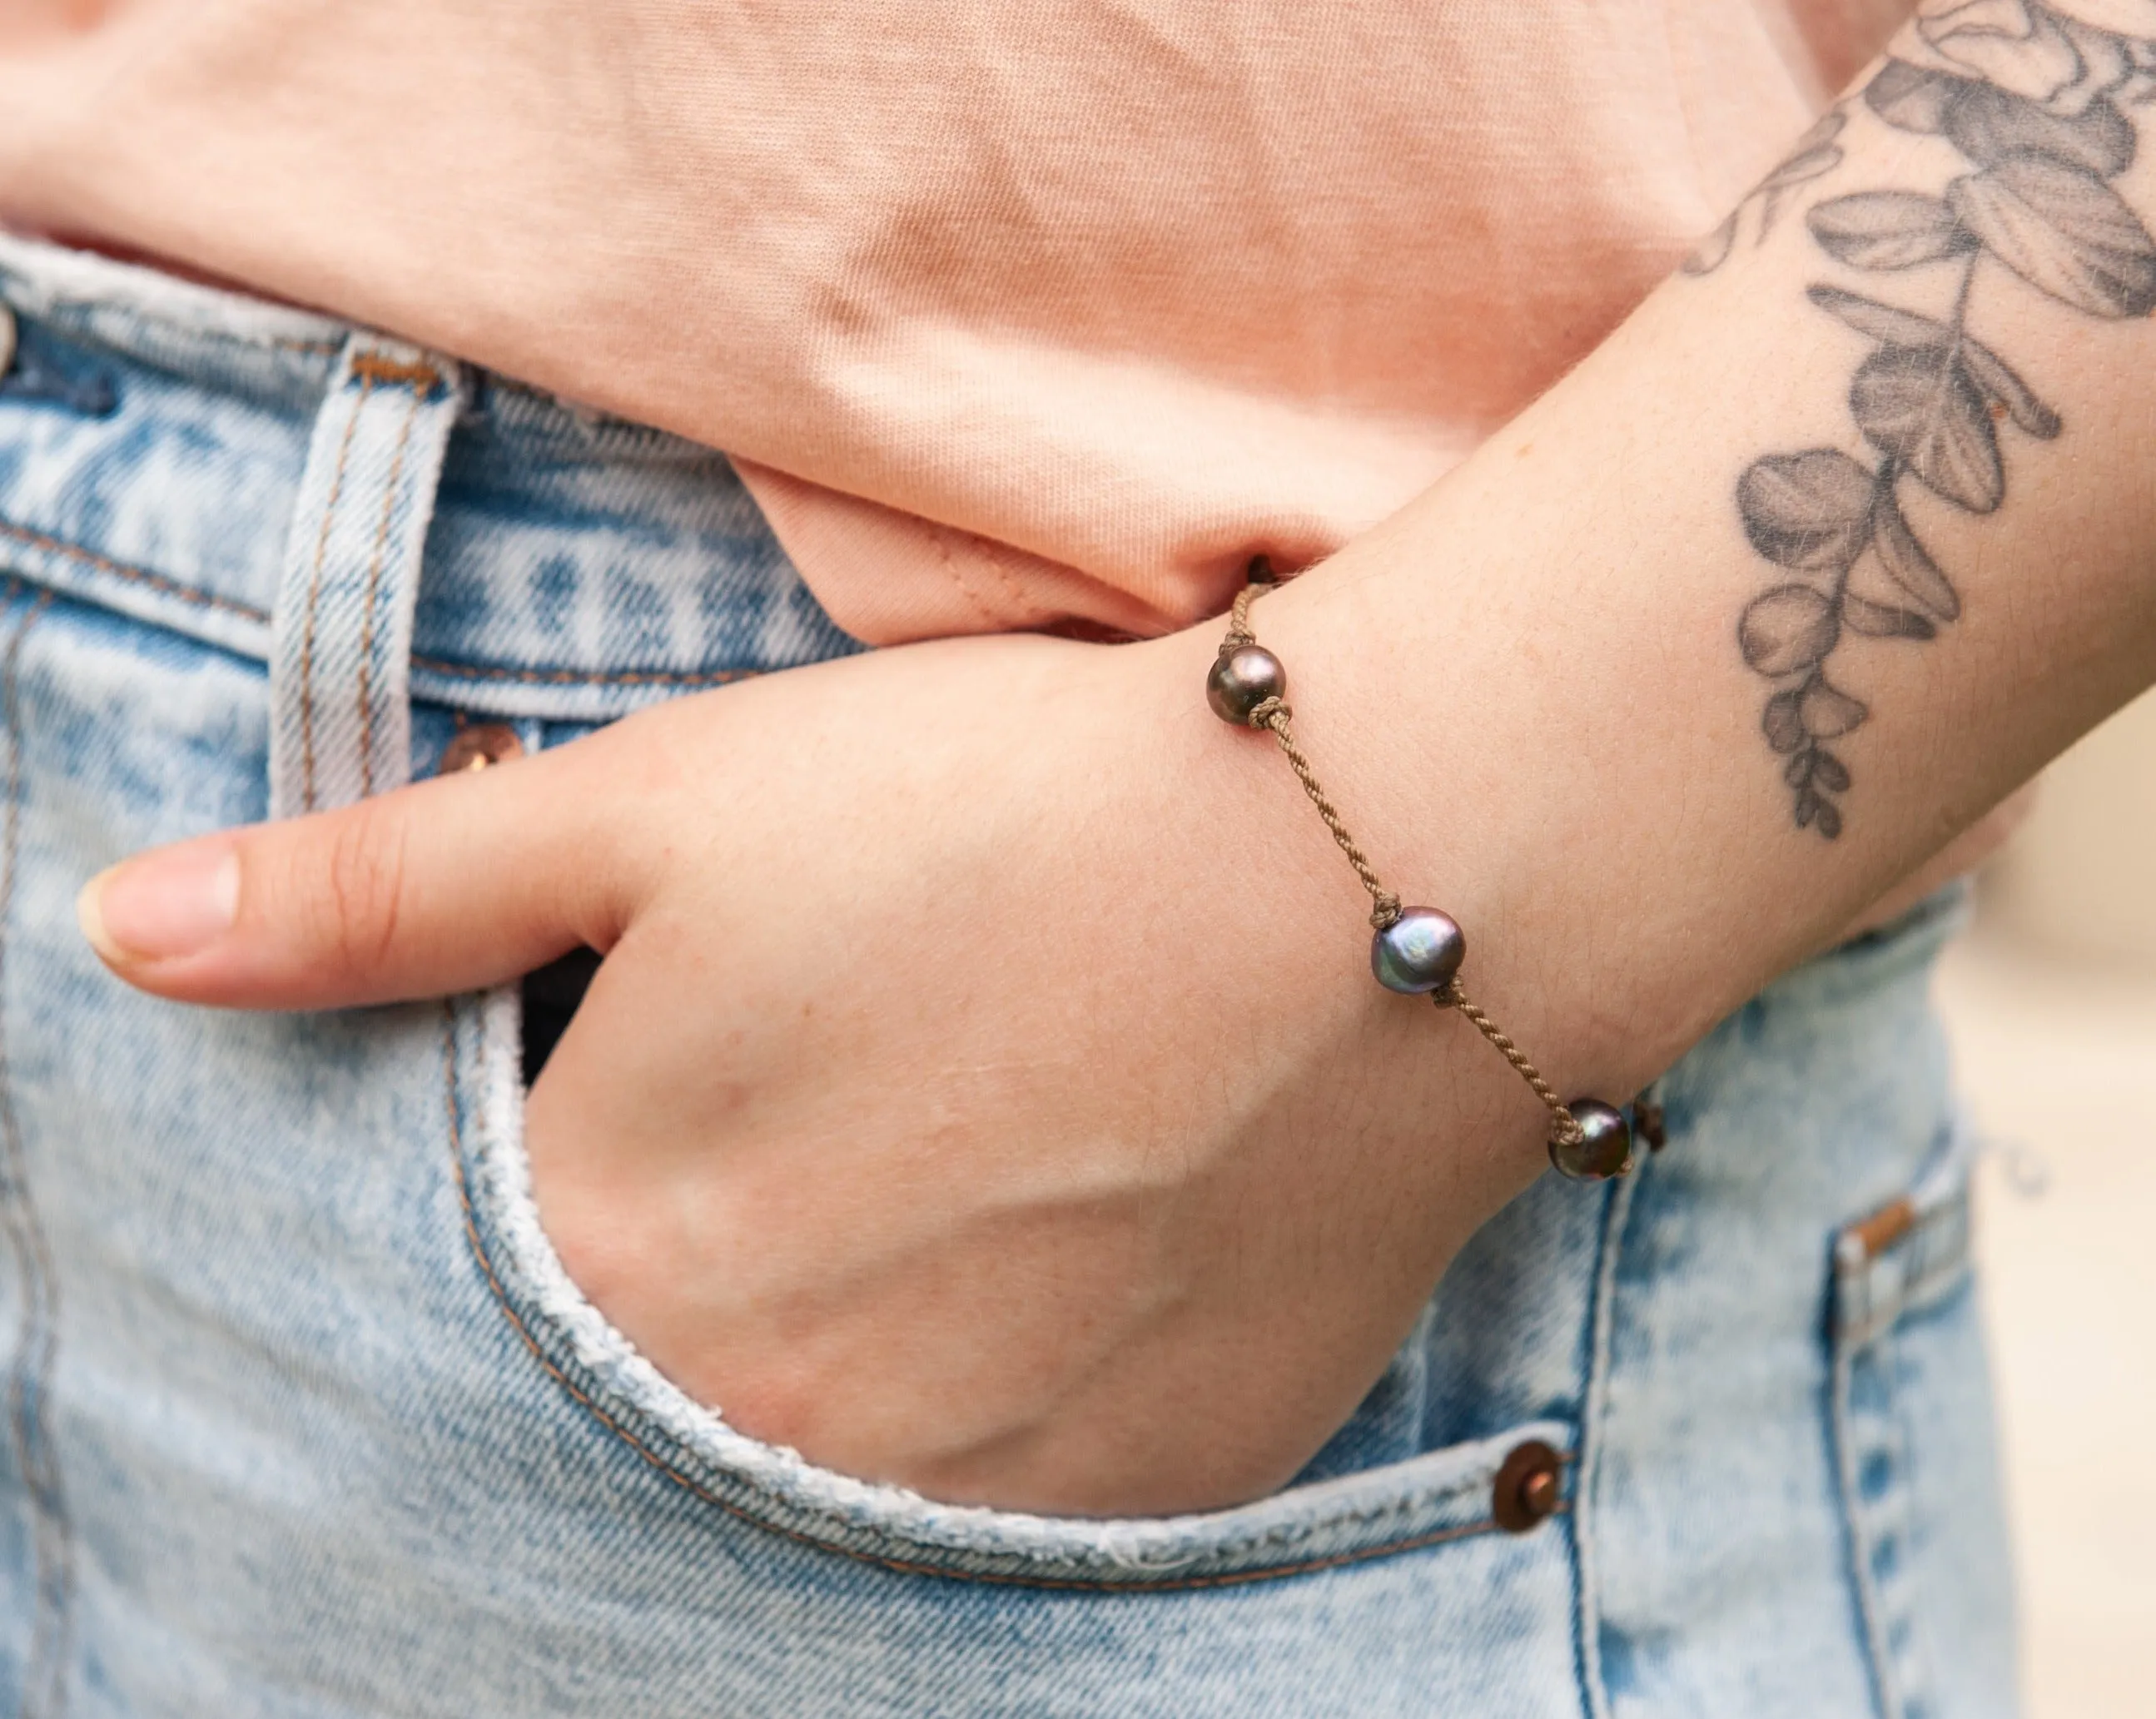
{"type": "Point", "coordinates": [1415, 950]}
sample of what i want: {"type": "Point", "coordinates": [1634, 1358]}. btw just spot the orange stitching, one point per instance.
{"type": "Point", "coordinates": [903, 1566]}
{"type": "Point", "coordinates": [314, 596]}
{"type": "Point", "coordinates": [373, 586]}
{"type": "Point", "coordinates": [157, 582]}
{"type": "Point", "coordinates": [373, 367]}
{"type": "Point", "coordinates": [168, 586]}
{"type": "Point", "coordinates": [583, 677]}
{"type": "Point", "coordinates": [33, 1359]}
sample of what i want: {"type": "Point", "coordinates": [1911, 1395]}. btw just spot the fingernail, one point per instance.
{"type": "Point", "coordinates": [161, 905]}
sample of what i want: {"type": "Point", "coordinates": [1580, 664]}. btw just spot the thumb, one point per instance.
{"type": "Point", "coordinates": [448, 885]}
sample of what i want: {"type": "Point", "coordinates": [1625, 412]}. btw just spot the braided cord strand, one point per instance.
{"type": "Point", "coordinates": [1564, 1126]}
{"type": "Point", "coordinates": [1385, 906]}
{"type": "Point", "coordinates": [1273, 715]}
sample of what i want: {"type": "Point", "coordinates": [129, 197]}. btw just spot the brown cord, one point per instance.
{"type": "Point", "coordinates": [1385, 906]}
{"type": "Point", "coordinates": [1274, 714]}
{"type": "Point", "coordinates": [1564, 1126]}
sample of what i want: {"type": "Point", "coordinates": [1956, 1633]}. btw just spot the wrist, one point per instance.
{"type": "Point", "coordinates": [1402, 887]}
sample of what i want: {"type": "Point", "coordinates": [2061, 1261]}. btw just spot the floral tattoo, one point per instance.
{"type": "Point", "coordinates": [2037, 96]}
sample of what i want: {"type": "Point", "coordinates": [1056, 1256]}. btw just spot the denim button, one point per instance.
{"type": "Point", "coordinates": [1529, 1488]}
{"type": "Point", "coordinates": [479, 745]}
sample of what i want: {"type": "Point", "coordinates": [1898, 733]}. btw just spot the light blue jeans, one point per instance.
{"type": "Point", "coordinates": [304, 1418]}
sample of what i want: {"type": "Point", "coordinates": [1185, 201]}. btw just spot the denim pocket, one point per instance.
{"type": "Point", "coordinates": [1426, 1501]}
{"type": "Point", "coordinates": [1912, 1450]}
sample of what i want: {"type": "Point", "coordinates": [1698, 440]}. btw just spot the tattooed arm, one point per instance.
{"type": "Point", "coordinates": [985, 1089]}
{"type": "Point", "coordinates": [2030, 102]}
{"type": "Point", "coordinates": [1847, 532]}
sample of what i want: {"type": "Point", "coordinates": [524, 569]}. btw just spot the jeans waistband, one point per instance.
{"type": "Point", "coordinates": [153, 436]}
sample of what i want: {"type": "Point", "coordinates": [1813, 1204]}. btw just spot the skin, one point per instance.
{"type": "Point", "coordinates": [985, 1089]}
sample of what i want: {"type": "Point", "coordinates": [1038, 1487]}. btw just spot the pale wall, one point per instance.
{"type": "Point", "coordinates": [2080, 881]}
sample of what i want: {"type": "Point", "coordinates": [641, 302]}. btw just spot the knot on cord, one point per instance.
{"type": "Point", "coordinates": [1384, 910]}
{"type": "Point", "coordinates": [1270, 713]}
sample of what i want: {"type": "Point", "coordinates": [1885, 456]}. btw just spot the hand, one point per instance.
{"type": "Point", "coordinates": [984, 1089]}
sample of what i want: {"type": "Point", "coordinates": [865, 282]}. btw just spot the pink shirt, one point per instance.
{"type": "Point", "coordinates": [1012, 313]}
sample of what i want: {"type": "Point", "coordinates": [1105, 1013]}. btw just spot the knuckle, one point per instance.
{"type": "Point", "coordinates": [357, 895]}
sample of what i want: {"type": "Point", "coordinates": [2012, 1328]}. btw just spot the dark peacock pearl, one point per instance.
{"type": "Point", "coordinates": [1242, 680]}
{"type": "Point", "coordinates": [1419, 952]}
{"type": "Point", "coordinates": [1605, 1149]}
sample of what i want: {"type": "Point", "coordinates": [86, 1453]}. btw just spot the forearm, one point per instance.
{"type": "Point", "coordinates": [1551, 694]}
{"type": "Point", "coordinates": [985, 1088]}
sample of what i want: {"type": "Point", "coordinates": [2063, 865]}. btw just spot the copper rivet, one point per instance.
{"type": "Point", "coordinates": [479, 745]}
{"type": "Point", "coordinates": [1885, 1227]}
{"type": "Point", "coordinates": [1527, 1490]}
{"type": "Point", "coordinates": [1649, 1124]}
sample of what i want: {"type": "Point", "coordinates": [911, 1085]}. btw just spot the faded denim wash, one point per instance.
{"type": "Point", "coordinates": [305, 1419]}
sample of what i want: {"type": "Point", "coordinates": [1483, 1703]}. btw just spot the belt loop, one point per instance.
{"type": "Point", "coordinates": [341, 637]}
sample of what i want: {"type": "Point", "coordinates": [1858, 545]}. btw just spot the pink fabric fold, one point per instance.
{"type": "Point", "coordinates": [1012, 316]}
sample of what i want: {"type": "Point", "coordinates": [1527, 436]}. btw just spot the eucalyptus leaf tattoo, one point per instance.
{"type": "Point", "coordinates": [2039, 106]}
{"type": "Point", "coordinates": [1816, 156]}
